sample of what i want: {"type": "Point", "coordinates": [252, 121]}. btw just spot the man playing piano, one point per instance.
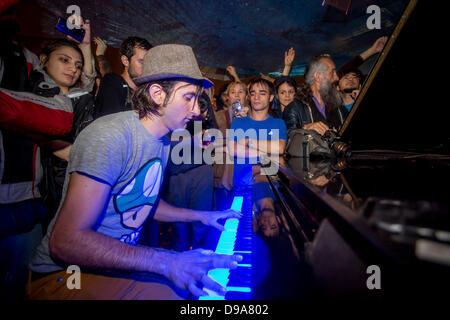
{"type": "Point", "coordinates": [112, 186]}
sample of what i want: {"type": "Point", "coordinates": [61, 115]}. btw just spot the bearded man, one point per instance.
{"type": "Point", "coordinates": [317, 105]}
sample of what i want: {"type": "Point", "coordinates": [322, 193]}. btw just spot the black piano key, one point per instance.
{"type": "Point", "coordinates": [239, 282]}
{"type": "Point", "coordinates": [246, 258]}
{"type": "Point", "coordinates": [242, 274]}
{"type": "Point", "coordinates": [245, 236]}
{"type": "Point", "coordinates": [246, 245]}
{"type": "Point", "coordinates": [242, 244]}
{"type": "Point", "coordinates": [242, 247]}
{"type": "Point", "coordinates": [232, 295]}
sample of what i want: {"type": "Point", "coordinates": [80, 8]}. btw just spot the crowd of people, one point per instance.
{"type": "Point", "coordinates": [87, 175]}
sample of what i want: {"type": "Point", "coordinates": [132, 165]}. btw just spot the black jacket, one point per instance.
{"type": "Point", "coordinates": [298, 113]}
{"type": "Point", "coordinates": [113, 96]}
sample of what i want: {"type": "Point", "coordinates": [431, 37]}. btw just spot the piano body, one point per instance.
{"type": "Point", "coordinates": [376, 224]}
{"type": "Point", "coordinates": [372, 225]}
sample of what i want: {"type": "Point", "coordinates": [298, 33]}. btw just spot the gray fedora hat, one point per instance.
{"type": "Point", "coordinates": [171, 61]}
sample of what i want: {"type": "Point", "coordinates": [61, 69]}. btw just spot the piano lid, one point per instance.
{"type": "Point", "coordinates": [402, 103]}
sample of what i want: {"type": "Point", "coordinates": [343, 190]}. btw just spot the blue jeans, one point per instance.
{"type": "Point", "coordinates": [18, 240]}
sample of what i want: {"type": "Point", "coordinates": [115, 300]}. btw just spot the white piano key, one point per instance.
{"type": "Point", "coordinates": [239, 289]}
{"type": "Point", "coordinates": [225, 245]}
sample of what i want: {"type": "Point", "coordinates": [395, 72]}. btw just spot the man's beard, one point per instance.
{"type": "Point", "coordinates": [330, 95]}
{"type": "Point", "coordinates": [132, 74]}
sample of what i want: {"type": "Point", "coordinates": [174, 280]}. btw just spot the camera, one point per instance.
{"type": "Point", "coordinates": [336, 145]}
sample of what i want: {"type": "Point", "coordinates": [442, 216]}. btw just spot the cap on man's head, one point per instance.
{"type": "Point", "coordinates": [172, 61]}
{"type": "Point", "coordinates": [342, 73]}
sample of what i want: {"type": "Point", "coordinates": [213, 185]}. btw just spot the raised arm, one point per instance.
{"type": "Point", "coordinates": [88, 74]}
{"type": "Point", "coordinates": [289, 57]}
{"type": "Point", "coordinates": [376, 47]}
{"type": "Point", "coordinates": [232, 71]}
{"type": "Point", "coordinates": [103, 63]}
{"type": "Point", "coordinates": [358, 60]}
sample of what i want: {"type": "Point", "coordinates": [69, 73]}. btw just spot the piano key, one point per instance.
{"type": "Point", "coordinates": [238, 289]}
{"type": "Point", "coordinates": [237, 296]}
{"type": "Point", "coordinates": [246, 259]}
{"type": "Point", "coordinates": [235, 239]}
{"type": "Point", "coordinates": [245, 265]}
{"type": "Point", "coordinates": [239, 281]}
{"type": "Point", "coordinates": [211, 296]}
{"type": "Point", "coordinates": [241, 273]}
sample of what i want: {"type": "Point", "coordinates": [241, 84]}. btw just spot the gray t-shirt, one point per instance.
{"type": "Point", "coordinates": [116, 150]}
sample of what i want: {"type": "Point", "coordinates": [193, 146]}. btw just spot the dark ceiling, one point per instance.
{"type": "Point", "coordinates": [252, 35]}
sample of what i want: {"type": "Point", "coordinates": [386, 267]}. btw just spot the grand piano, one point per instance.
{"type": "Point", "coordinates": [375, 223]}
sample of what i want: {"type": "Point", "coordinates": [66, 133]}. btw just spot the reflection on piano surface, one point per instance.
{"type": "Point", "coordinates": [272, 267]}
{"type": "Point", "coordinates": [314, 228]}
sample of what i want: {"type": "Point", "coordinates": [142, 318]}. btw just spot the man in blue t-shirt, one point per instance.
{"type": "Point", "coordinates": [257, 134]}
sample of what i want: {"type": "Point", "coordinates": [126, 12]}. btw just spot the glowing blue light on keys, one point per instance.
{"type": "Point", "coordinates": [239, 289]}
{"type": "Point", "coordinates": [228, 236]}
{"type": "Point", "coordinates": [237, 203]}
{"type": "Point", "coordinates": [225, 246]}
{"type": "Point", "coordinates": [231, 224]}
{"type": "Point", "coordinates": [211, 297]}
{"type": "Point", "coordinates": [220, 276]}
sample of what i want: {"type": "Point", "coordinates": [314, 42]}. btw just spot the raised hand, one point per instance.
{"type": "Point", "coordinates": [376, 47]}
{"type": "Point", "coordinates": [190, 268]}
{"type": "Point", "coordinates": [232, 71]}
{"type": "Point", "coordinates": [85, 44]}
{"type": "Point", "coordinates": [101, 46]}
{"type": "Point", "coordinates": [379, 44]}
{"type": "Point", "coordinates": [86, 26]}
{"type": "Point", "coordinates": [288, 60]}
{"type": "Point", "coordinates": [289, 57]}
